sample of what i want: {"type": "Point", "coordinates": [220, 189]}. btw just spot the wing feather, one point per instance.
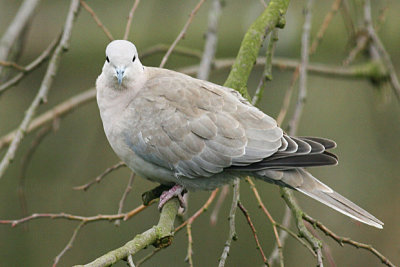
{"type": "Point", "coordinates": [197, 128]}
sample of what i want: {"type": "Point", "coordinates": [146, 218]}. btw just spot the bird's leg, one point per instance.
{"type": "Point", "coordinates": [175, 191]}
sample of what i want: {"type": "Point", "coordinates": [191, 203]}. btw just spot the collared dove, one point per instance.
{"type": "Point", "coordinates": [192, 134]}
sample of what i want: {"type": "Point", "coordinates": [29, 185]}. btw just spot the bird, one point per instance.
{"type": "Point", "coordinates": [190, 134]}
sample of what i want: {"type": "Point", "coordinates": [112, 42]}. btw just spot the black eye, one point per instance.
{"type": "Point", "coordinates": [134, 58]}
{"type": "Point", "coordinates": [108, 60]}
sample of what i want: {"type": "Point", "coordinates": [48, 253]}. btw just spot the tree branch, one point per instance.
{"type": "Point", "coordinates": [41, 96]}
{"type": "Point", "coordinates": [32, 66]}
{"type": "Point", "coordinates": [182, 33]}
{"type": "Point", "coordinates": [346, 240]}
{"type": "Point", "coordinates": [11, 41]}
{"type": "Point", "coordinates": [303, 232]}
{"type": "Point", "coordinates": [210, 46]}
{"type": "Point", "coordinates": [232, 226]}
{"type": "Point", "coordinates": [271, 17]}
{"type": "Point", "coordinates": [159, 235]}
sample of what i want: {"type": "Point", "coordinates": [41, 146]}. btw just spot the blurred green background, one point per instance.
{"type": "Point", "coordinates": [352, 112]}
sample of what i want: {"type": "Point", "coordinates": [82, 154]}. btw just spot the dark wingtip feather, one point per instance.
{"type": "Point", "coordinates": [327, 143]}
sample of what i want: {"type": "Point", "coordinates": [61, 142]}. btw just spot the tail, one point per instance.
{"type": "Point", "coordinates": [303, 181]}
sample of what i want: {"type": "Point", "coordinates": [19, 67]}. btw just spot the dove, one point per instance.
{"type": "Point", "coordinates": [190, 134]}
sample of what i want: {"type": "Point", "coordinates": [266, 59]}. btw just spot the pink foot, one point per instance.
{"type": "Point", "coordinates": [175, 191]}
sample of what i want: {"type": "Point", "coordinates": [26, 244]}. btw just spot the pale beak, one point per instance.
{"type": "Point", "coordinates": [120, 72]}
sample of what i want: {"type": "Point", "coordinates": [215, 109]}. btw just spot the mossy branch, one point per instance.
{"type": "Point", "coordinates": [273, 16]}
{"type": "Point", "coordinates": [159, 235]}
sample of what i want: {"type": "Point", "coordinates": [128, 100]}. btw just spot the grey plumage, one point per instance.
{"type": "Point", "coordinates": [174, 129]}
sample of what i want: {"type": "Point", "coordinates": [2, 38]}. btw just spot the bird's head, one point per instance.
{"type": "Point", "coordinates": [122, 62]}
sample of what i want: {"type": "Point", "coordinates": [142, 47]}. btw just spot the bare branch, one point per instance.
{"type": "Point", "coordinates": [124, 195]}
{"type": "Point", "coordinates": [130, 18]}
{"type": "Point", "coordinates": [346, 240]}
{"type": "Point", "coordinates": [253, 229]}
{"type": "Point", "coordinates": [100, 177]}
{"type": "Point", "coordinates": [272, 220]}
{"type": "Point", "coordinates": [182, 33]}
{"type": "Point", "coordinates": [287, 98]}
{"type": "Point", "coordinates": [32, 66]}
{"type": "Point", "coordinates": [97, 20]}
{"type": "Point", "coordinates": [217, 207]}
{"type": "Point", "coordinates": [15, 32]}
{"type": "Point", "coordinates": [298, 213]}
{"type": "Point", "coordinates": [232, 228]}
{"type": "Point", "coordinates": [189, 254]}
{"type": "Point", "coordinates": [381, 49]}
{"type": "Point", "coordinates": [321, 31]}
{"type": "Point", "coordinates": [12, 65]}
{"type": "Point", "coordinates": [69, 244]}
{"type": "Point", "coordinates": [303, 69]}
{"type": "Point", "coordinates": [267, 73]}
{"type": "Point", "coordinates": [178, 50]}
{"type": "Point", "coordinates": [210, 46]}
{"type": "Point", "coordinates": [41, 96]}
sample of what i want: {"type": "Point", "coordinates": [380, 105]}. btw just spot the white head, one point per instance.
{"type": "Point", "coordinates": [122, 62]}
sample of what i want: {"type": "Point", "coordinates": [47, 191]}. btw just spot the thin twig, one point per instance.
{"type": "Point", "coordinates": [253, 229]}
{"type": "Point", "coordinates": [346, 240]}
{"type": "Point", "coordinates": [130, 18]}
{"type": "Point", "coordinates": [210, 46]}
{"type": "Point", "coordinates": [147, 257]}
{"type": "Point", "coordinates": [361, 43]}
{"type": "Point", "coordinates": [271, 219]}
{"type": "Point", "coordinates": [178, 50]}
{"type": "Point", "coordinates": [63, 215]}
{"type": "Point", "coordinates": [44, 89]}
{"type": "Point", "coordinates": [31, 66]}
{"type": "Point", "coordinates": [381, 49]}
{"type": "Point", "coordinates": [182, 33]}
{"type": "Point", "coordinates": [295, 236]}
{"type": "Point", "coordinates": [267, 73]}
{"type": "Point", "coordinates": [217, 207]}
{"type": "Point", "coordinates": [325, 248]}
{"type": "Point", "coordinates": [303, 69]}
{"type": "Point", "coordinates": [130, 261]}
{"type": "Point", "coordinates": [101, 176]}
{"type": "Point", "coordinates": [69, 244]}
{"type": "Point", "coordinates": [189, 253]}
{"type": "Point", "coordinates": [124, 195]}
{"type": "Point", "coordinates": [364, 70]}
{"type": "Point", "coordinates": [97, 20]}
{"type": "Point", "coordinates": [321, 31]}
{"type": "Point", "coordinates": [303, 232]}
{"type": "Point", "coordinates": [125, 216]}
{"type": "Point", "coordinates": [232, 228]}
{"type": "Point", "coordinates": [199, 211]}
{"type": "Point", "coordinates": [137, 210]}
{"type": "Point", "coordinates": [12, 65]}
{"type": "Point", "coordinates": [287, 98]}
{"type": "Point", "coordinates": [277, 252]}
{"type": "Point", "coordinates": [10, 42]}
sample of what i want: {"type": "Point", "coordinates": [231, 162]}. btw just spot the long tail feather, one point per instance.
{"type": "Point", "coordinates": [304, 182]}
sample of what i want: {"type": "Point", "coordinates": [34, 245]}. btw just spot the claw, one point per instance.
{"type": "Point", "coordinates": [175, 191]}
